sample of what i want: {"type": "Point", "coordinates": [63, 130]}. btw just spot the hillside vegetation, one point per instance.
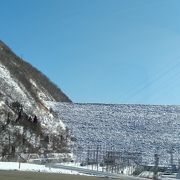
{"type": "Point", "coordinates": [27, 125]}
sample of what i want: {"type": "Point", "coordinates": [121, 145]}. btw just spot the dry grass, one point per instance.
{"type": "Point", "coordinates": [12, 175]}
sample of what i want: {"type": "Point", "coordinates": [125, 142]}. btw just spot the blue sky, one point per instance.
{"type": "Point", "coordinates": [100, 51]}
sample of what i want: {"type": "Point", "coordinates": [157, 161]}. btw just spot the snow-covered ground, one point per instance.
{"type": "Point", "coordinates": [63, 169]}
{"type": "Point", "coordinates": [134, 128]}
{"type": "Point", "coordinates": [33, 167]}
{"type": "Point", "coordinates": [16, 166]}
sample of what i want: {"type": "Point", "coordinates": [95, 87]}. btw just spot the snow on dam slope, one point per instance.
{"type": "Point", "coordinates": [135, 128]}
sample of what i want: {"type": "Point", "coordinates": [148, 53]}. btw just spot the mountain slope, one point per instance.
{"type": "Point", "coordinates": [28, 77]}
{"type": "Point", "coordinates": [23, 112]}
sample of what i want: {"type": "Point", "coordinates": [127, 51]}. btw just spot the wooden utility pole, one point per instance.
{"type": "Point", "coordinates": [97, 157]}
{"type": "Point", "coordinates": [171, 151]}
{"type": "Point", "coordinates": [156, 163]}
{"type": "Point", "coordinates": [171, 159]}
{"type": "Point", "coordinates": [9, 140]}
{"type": "Point", "coordinates": [87, 161]}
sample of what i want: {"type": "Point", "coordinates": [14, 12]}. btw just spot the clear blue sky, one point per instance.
{"type": "Point", "coordinates": [109, 51]}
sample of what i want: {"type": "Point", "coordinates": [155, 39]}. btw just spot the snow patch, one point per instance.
{"type": "Point", "coordinates": [33, 83]}
{"type": "Point", "coordinates": [33, 167]}
{"type": "Point", "coordinates": [7, 81]}
{"type": "Point", "coordinates": [1, 103]}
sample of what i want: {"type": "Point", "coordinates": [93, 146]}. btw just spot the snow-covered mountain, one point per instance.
{"type": "Point", "coordinates": [23, 111]}
{"type": "Point", "coordinates": [145, 129]}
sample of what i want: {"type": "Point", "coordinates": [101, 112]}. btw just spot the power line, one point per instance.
{"type": "Point", "coordinates": [145, 84]}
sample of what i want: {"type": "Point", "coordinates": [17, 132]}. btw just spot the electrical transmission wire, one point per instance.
{"type": "Point", "coordinates": [167, 86]}
{"type": "Point", "coordinates": [146, 84]}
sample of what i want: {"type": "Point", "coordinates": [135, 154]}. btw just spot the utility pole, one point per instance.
{"type": "Point", "coordinates": [97, 156]}
{"type": "Point", "coordinates": [9, 139]}
{"type": "Point", "coordinates": [87, 160]}
{"type": "Point", "coordinates": [171, 151]}
{"type": "Point", "coordinates": [156, 163]}
{"type": "Point", "coordinates": [171, 159]}
{"type": "Point", "coordinates": [178, 165]}
{"type": "Point", "coordinates": [94, 157]}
